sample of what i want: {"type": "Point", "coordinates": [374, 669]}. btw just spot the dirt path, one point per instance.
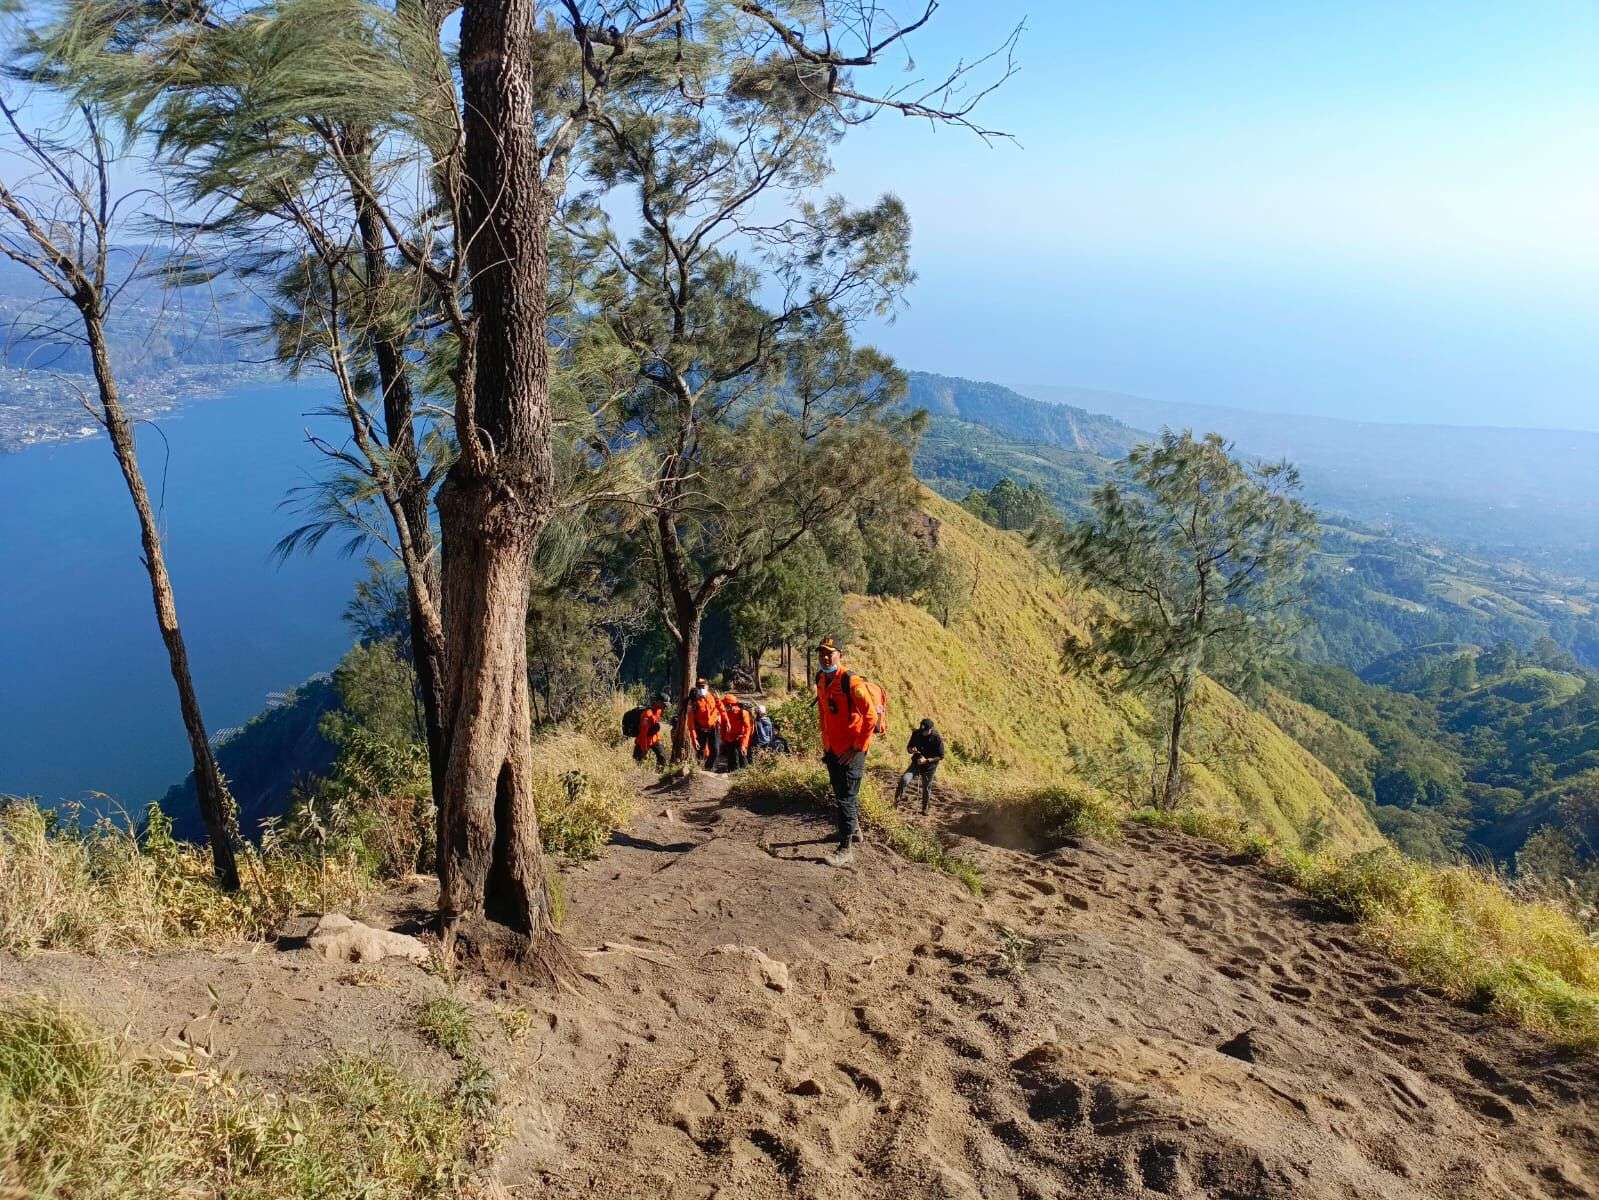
{"type": "Point", "coordinates": [1142, 1019]}
{"type": "Point", "coordinates": [1147, 1018]}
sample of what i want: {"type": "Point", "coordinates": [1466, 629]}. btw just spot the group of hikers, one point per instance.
{"type": "Point", "coordinates": [722, 731]}
{"type": "Point", "coordinates": [850, 710]}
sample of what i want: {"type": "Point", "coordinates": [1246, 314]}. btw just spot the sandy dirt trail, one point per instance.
{"type": "Point", "coordinates": [1141, 1019]}
{"type": "Point", "coordinates": [1148, 1018]}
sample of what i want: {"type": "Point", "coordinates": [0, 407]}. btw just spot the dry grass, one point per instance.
{"type": "Point", "coordinates": [1052, 812]}
{"type": "Point", "coordinates": [1460, 929]}
{"type": "Point", "coordinates": [584, 791]}
{"type": "Point", "coordinates": [81, 1117]}
{"type": "Point", "coordinates": [1226, 829]}
{"type": "Point", "coordinates": [109, 887]}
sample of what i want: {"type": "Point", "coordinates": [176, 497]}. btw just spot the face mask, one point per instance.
{"type": "Point", "coordinates": [830, 670]}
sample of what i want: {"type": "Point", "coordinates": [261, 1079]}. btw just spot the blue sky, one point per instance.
{"type": "Point", "coordinates": [1377, 210]}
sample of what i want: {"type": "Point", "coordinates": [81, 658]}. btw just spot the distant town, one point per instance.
{"type": "Point", "coordinates": [39, 406]}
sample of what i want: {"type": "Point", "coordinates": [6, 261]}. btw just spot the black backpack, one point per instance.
{"type": "Point", "coordinates": [630, 721]}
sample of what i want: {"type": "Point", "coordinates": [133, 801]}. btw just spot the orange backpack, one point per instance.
{"type": "Point", "coordinates": [878, 695]}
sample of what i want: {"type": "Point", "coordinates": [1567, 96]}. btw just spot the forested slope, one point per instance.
{"type": "Point", "coordinates": [993, 682]}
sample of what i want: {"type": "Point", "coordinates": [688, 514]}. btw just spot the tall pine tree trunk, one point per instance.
{"type": "Point", "coordinates": [399, 426]}
{"type": "Point", "coordinates": [216, 805]}
{"type": "Point", "coordinates": [688, 669]}
{"type": "Point", "coordinates": [1172, 786]}
{"type": "Point", "coordinates": [494, 503]}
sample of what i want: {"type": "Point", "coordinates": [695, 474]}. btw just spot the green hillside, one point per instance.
{"type": "Point", "coordinates": [1470, 751]}
{"type": "Point", "coordinates": [1372, 592]}
{"type": "Point", "coordinates": [1012, 415]}
{"type": "Point", "coordinates": [993, 682]}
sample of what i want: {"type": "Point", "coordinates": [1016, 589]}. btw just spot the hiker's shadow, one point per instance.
{"type": "Point", "coordinates": [773, 805]}
{"type": "Point", "coordinates": [622, 838]}
{"type": "Point", "coordinates": [775, 849]}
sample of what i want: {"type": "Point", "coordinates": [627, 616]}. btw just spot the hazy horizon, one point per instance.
{"type": "Point", "coordinates": [1363, 212]}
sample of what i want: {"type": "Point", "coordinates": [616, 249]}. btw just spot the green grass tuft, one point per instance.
{"type": "Point", "coordinates": [1048, 813]}
{"type": "Point", "coordinates": [81, 1118]}
{"type": "Point", "coordinates": [447, 1023]}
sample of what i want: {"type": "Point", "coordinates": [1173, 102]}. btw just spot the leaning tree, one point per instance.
{"type": "Point", "coordinates": [61, 213]}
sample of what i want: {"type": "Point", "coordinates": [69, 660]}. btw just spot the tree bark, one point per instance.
{"type": "Point", "coordinates": [399, 427]}
{"type": "Point", "coordinates": [688, 670]}
{"type": "Point", "coordinates": [1172, 786]}
{"type": "Point", "coordinates": [496, 499]}
{"type": "Point", "coordinates": [216, 805]}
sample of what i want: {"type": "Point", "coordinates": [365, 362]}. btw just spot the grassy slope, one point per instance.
{"type": "Point", "coordinates": [993, 683]}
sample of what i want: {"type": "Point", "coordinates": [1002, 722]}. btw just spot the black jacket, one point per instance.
{"type": "Point", "coordinates": [929, 745]}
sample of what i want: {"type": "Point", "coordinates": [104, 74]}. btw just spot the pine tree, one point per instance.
{"type": "Point", "coordinates": [1203, 554]}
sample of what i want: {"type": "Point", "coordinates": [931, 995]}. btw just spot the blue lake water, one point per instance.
{"type": "Point", "coordinates": [86, 699]}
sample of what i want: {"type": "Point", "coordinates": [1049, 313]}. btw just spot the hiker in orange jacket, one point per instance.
{"type": "Point", "coordinates": [736, 728]}
{"type": "Point", "coordinates": [648, 738]}
{"type": "Point", "coordinates": [704, 725]}
{"type": "Point", "coordinates": [847, 722]}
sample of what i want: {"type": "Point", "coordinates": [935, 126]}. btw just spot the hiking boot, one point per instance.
{"type": "Point", "coordinates": [842, 857]}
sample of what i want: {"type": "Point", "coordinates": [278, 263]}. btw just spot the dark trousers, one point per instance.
{"type": "Point", "coordinates": [660, 755]}
{"type": "Point", "coordinates": [710, 743]}
{"type": "Point", "coordinates": [845, 777]}
{"type": "Point", "coordinates": [923, 771]}
{"type": "Point", "coordinates": [737, 756]}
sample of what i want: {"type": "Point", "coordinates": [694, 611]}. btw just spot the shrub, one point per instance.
{"type": "Point", "coordinates": [1052, 813]}
{"type": "Point", "coordinates": [583, 792]}
{"type": "Point", "coordinates": [796, 717]}
{"type": "Point", "coordinates": [375, 805]}
{"type": "Point", "coordinates": [83, 1119]}
{"type": "Point", "coordinates": [110, 887]}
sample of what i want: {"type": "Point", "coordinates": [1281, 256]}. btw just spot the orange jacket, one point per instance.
{"type": "Point", "coordinates": [847, 722]}
{"type": "Point", "coordinates": [649, 729]}
{"type": "Point", "coordinates": [736, 724]}
{"type": "Point", "coordinates": [704, 714]}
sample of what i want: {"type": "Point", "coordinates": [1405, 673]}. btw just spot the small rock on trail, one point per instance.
{"type": "Point", "coordinates": [341, 939]}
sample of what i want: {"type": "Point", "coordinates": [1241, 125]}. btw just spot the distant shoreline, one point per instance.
{"type": "Point", "coordinates": [38, 408]}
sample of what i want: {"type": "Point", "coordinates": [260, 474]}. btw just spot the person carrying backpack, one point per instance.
{"type": "Point", "coordinates": [848, 711]}
{"type": "Point", "coordinates": [736, 727]}
{"type": "Point", "coordinates": [648, 738]}
{"type": "Point", "coordinates": [765, 732]}
{"type": "Point", "coordinates": [704, 725]}
{"type": "Point", "coordinates": [926, 749]}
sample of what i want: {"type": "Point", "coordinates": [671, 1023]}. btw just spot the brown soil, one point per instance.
{"type": "Point", "coordinates": [1149, 1018]}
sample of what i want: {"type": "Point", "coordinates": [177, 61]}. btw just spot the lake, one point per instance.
{"type": "Point", "coordinates": [87, 702]}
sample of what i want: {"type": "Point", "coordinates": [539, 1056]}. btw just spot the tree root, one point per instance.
{"type": "Point", "coordinates": [543, 960]}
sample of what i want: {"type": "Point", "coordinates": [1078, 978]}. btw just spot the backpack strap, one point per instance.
{"type": "Point", "coordinates": [844, 680]}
